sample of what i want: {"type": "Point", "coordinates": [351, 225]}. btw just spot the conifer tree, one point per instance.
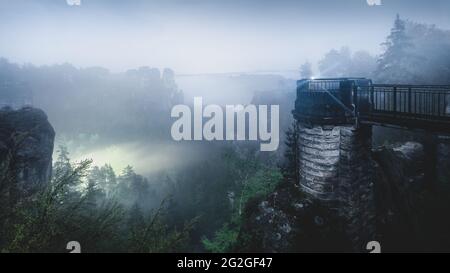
{"type": "Point", "coordinates": [395, 64]}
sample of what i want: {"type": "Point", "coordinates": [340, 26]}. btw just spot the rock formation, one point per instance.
{"type": "Point", "coordinates": [291, 220]}
{"type": "Point", "coordinates": [336, 167]}
{"type": "Point", "coordinates": [26, 147]}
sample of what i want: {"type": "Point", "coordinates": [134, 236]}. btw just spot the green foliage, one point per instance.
{"type": "Point", "coordinates": [73, 206]}
{"type": "Point", "coordinates": [261, 183]}
{"type": "Point", "coordinates": [38, 223]}
{"type": "Point", "coordinates": [105, 177]}
{"type": "Point", "coordinates": [224, 239]}
{"type": "Point", "coordinates": [151, 234]}
{"type": "Point", "coordinates": [252, 179]}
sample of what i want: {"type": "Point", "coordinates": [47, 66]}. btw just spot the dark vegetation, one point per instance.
{"type": "Point", "coordinates": [199, 208]}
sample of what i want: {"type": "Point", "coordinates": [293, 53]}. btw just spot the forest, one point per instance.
{"type": "Point", "coordinates": [119, 183]}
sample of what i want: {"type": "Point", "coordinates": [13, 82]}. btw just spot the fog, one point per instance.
{"type": "Point", "coordinates": [107, 74]}
{"type": "Point", "coordinates": [146, 158]}
{"type": "Point", "coordinates": [227, 52]}
{"type": "Point", "coordinates": [196, 36]}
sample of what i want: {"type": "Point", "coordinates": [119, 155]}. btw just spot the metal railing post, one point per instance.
{"type": "Point", "coordinates": [395, 99]}
{"type": "Point", "coordinates": [409, 100]}
{"type": "Point", "coordinates": [355, 98]}
{"type": "Point", "coordinates": [372, 98]}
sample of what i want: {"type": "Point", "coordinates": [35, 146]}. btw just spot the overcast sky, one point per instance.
{"type": "Point", "coordinates": [200, 36]}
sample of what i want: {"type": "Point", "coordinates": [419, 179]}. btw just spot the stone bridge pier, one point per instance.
{"type": "Point", "coordinates": [336, 168]}
{"type": "Point", "coordinates": [335, 162]}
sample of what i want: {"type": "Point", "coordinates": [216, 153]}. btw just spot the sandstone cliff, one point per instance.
{"type": "Point", "coordinates": [26, 147]}
{"type": "Point", "coordinates": [289, 221]}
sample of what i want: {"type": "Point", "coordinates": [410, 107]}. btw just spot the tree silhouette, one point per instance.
{"type": "Point", "coordinates": [306, 70]}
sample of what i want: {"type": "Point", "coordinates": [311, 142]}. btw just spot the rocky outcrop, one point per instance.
{"type": "Point", "coordinates": [400, 185]}
{"type": "Point", "coordinates": [26, 147]}
{"type": "Point", "coordinates": [356, 185]}
{"type": "Point", "coordinates": [289, 220]}
{"type": "Point", "coordinates": [336, 166]}
{"type": "Point", "coordinates": [443, 159]}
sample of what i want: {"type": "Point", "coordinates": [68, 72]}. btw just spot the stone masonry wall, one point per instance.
{"type": "Point", "coordinates": [336, 167]}
{"type": "Point", "coordinates": [319, 158]}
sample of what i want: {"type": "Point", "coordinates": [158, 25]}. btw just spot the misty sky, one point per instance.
{"type": "Point", "coordinates": [200, 36]}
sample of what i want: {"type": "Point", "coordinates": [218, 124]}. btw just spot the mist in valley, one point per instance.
{"type": "Point", "coordinates": [107, 74]}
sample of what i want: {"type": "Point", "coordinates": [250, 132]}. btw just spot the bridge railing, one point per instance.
{"type": "Point", "coordinates": [327, 101]}
{"type": "Point", "coordinates": [414, 101]}
{"type": "Point", "coordinates": [349, 100]}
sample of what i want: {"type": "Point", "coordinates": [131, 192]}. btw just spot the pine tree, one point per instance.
{"type": "Point", "coordinates": [127, 174]}
{"type": "Point", "coordinates": [109, 182]}
{"type": "Point", "coordinates": [93, 195]}
{"type": "Point", "coordinates": [396, 62]}
{"type": "Point", "coordinates": [292, 153]}
{"type": "Point", "coordinates": [62, 164]}
{"type": "Point", "coordinates": [136, 218]}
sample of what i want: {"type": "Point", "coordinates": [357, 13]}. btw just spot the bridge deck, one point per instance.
{"type": "Point", "coordinates": [340, 101]}
{"type": "Point", "coordinates": [412, 106]}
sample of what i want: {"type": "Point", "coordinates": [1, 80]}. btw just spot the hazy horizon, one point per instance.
{"type": "Point", "coordinates": [196, 37]}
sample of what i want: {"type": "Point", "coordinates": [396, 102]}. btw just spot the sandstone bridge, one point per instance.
{"type": "Point", "coordinates": [335, 118]}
